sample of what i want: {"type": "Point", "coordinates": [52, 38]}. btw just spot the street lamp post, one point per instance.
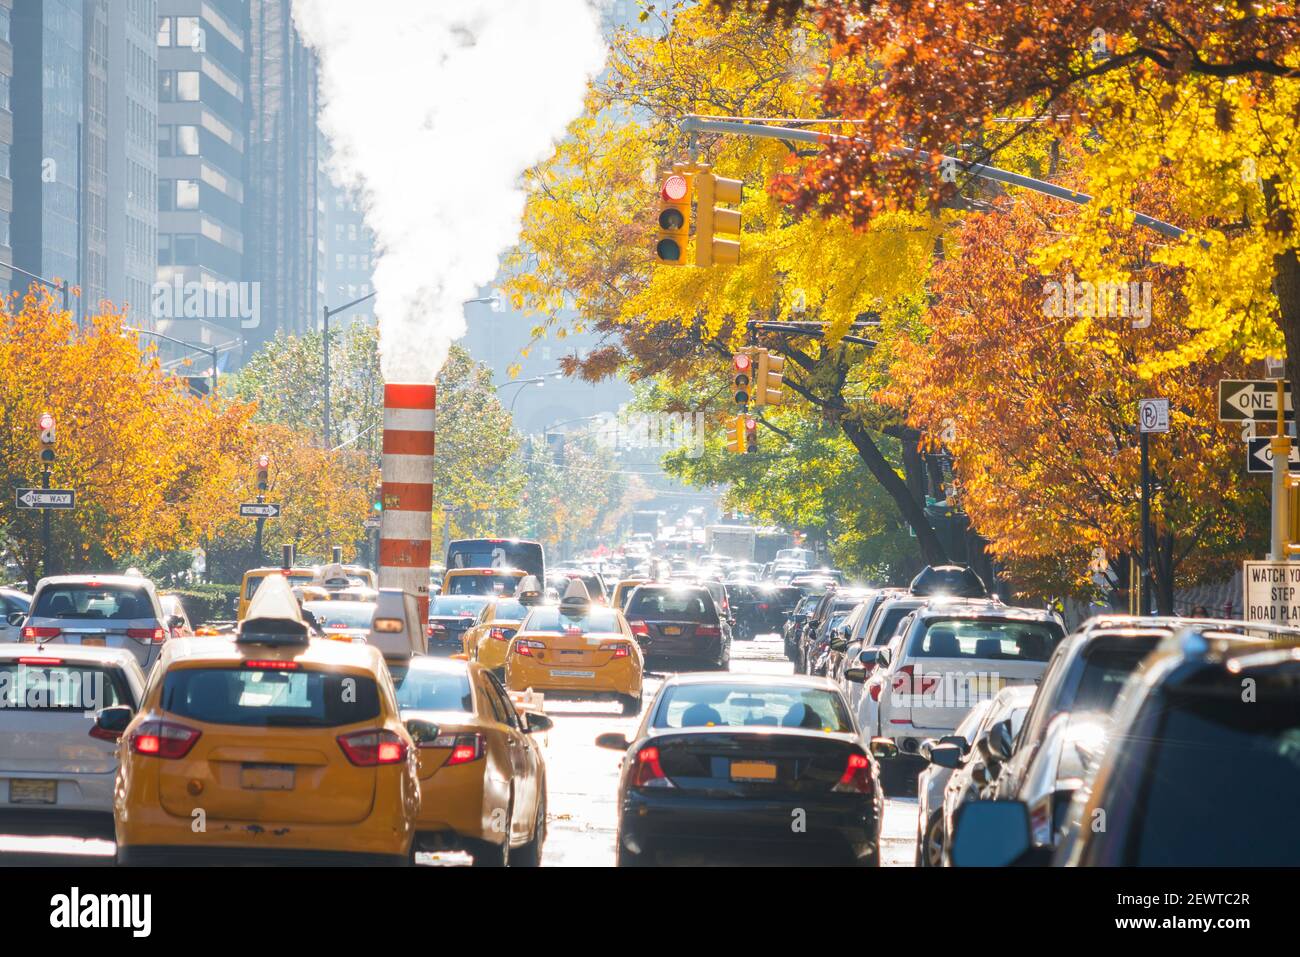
{"type": "Point", "coordinates": [325, 335]}
{"type": "Point", "coordinates": [539, 380]}
{"type": "Point", "coordinates": [59, 284]}
{"type": "Point", "coordinates": [211, 353]}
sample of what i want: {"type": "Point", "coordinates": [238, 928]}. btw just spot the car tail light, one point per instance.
{"type": "Point", "coordinates": [368, 749]}
{"type": "Point", "coordinates": [155, 636]}
{"type": "Point", "coordinates": [103, 735]}
{"type": "Point", "coordinates": [36, 634]}
{"type": "Point", "coordinates": [500, 634]}
{"type": "Point", "coordinates": [905, 682]}
{"type": "Point", "coordinates": [874, 691]}
{"type": "Point", "coordinates": [762, 606]}
{"type": "Point", "coordinates": [164, 739]}
{"type": "Point", "coordinates": [464, 747]}
{"type": "Point", "coordinates": [639, 628]}
{"type": "Point", "coordinates": [620, 650]}
{"type": "Point", "coordinates": [271, 665]}
{"type": "Point", "coordinates": [526, 647]}
{"type": "Point", "coordinates": [708, 631]}
{"type": "Point", "coordinates": [856, 776]}
{"type": "Point", "coordinates": [40, 661]}
{"type": "Point", "coordinates": [649, 773]}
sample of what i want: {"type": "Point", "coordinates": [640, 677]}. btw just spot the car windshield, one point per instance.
{"type": "Point", "coordinates": [1105, 669]}
{"type": "Point", "coordinates": [889, 618]}
{"type": "Point", "coordinates": [479, 584]}
{"type": "Point", "coordinates": [341, 614]}
{"type": "Point", "coordinates": [420, 690]}
{"type": "Point", "coordinates": [273, 697]}
{"type": "Point", "coordinates": [109, 602]}
{"type": "Point", "coordinates": [986, 640]}
{"type": "Point", "coordinates": [692, 705]}
{"type": "Point", "coordinates": [1213, 759]}
{"type": "Point", "coordinates": [454, 607]}
{"type": "Point", "coordinates": [674, 604]}
{"type": "Point", "coordinates": [550, 618]}
{"type": "Point", "coordinates": [47, 684]}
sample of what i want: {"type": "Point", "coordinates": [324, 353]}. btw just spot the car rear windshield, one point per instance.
{"type": "Point", "coordinates": [419, 690]}
{"type": "Point", "coordinates": [1105, 669]}
{"type": "Point", "coordinates": [889, 619]}
{"type": "Point", "coordinates": [108, 602]}
{"type": "Point", "coordinates": [674, 604]}
{"type": "Point", "coordinates": [744, 705]}
{"type": "Point", "coordinates": [271, 697]}
{"type": "Point", "coordinates": [69, 686]}
{"type": "Point", "coordinates": [462, 606]}
{"type": "Point", "coordinates": [986, 640]}
{"type": "Point", "coordinates": [510, 610]}
{"type": "Point", "coordinates": [341, 614]}
{"type": "Point", "coordinates": [1214, 759]}
{"type": "Point", "coordinates": [596, 620]}
{"type": "Point", "coordinates": [302, 578]}
{"type": "Point", "coordinates": [476, 584]}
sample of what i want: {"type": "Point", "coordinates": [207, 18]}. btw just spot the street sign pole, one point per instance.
{"type": "Point", "coordinates": [1280, 445]}
{"type": "Point", "coordinates": [45, 527]}
{"type": "Point", "coordinates": [1146, 523]}
{"type": "Point", "coordinates": [261, 521]}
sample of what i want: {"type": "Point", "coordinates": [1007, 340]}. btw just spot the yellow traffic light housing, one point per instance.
{"type": "Point", "coordinates": [674, 219]}
{"type": "Point", "coordinates": [769, 378]}
{"type": "Point", "coordinates": [751, 434]}
{"type": "Point", "coordinates": [742, 376]}
{"type": "Point", "coordinates": [711, 220]}
{"type": "Point", "coordinates": [736, 437]}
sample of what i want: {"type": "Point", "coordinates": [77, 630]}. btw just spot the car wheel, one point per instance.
{"type": "Point", "coordinates": [929, 850]}
{"type": "Point", "coordinates": [530, 855]}
{"type": "Point", "coordinates": [488, 854]}
{"type": "Point", "coordinates": [631, 705]}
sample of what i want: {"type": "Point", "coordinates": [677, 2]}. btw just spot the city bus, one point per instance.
{"type": "Point", "coordinates": [497, 553]}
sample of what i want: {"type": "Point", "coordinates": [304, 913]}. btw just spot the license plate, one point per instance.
{"type": "Point", "coordinates": [33, 791]}
{"type": "Point", "coordinates": [753, 771]}
{"type": "Point", "coordinates": [92, 641]}
{"type": "Point", "coordinates": [562, 673]}
{"type": "Point", "coordinates": [267, 777]}
{"type": "Point", "coordinates": [672, 629]}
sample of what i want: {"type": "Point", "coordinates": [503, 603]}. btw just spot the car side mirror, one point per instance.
{"type": "Point", "coordinates": [999, 741]}
{"type": "Point", "coordinates": [16, 619]}
{"type": "Point", "coordinates": [882, 657]}
{"type": "Point", "coordinates": [111, 722]}
{"type": "Point", "coordinates": [855, 673]}
{"type": "Point", "coordinates": [613, 740]}
{"type": "Point", "coordinates": [991, 834]}
{"type": "Point", "coordinates": [883, 749]}
{"type": "Point", "coordinates": [945, 756]}
{"type": "Point", "coordinates": [535, 721]}
{"type": "Point", "coordinates": [422, 732]}
{"type": "Point", "coordinates": [958, 740]}
{"type": "Point", "coordinates": [176, 621]}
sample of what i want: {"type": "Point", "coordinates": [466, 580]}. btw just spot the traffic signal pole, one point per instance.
{"type": "Point", "coordinates": [45, 526]}
{"type": "Point", "coordinates": [1280, 446]}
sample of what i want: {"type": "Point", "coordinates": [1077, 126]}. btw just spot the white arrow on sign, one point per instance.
{"type": "Point", "coordinates": [46, 498]}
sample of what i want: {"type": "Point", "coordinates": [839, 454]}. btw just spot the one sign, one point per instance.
{"type": "Point", "coordinates": [46, 498]}
{"type": "Point", "coordinates": [1242, 399]}
{"type": "Point", "coordinates": [259, 510]}
{"type": "Point", "coordinates": [1153, 415]}
{"type": "Point", "coordinates": [1272, 592]}
{"type": "Point", "coordinates": [1259, 456]}
{"type": "Point", "coordinates": [373, 522]}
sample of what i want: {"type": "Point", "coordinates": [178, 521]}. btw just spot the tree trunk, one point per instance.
{"type": "Point", "coordinates": [932, 550]}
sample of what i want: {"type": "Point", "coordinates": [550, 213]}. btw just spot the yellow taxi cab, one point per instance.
{"type": "Point", "coordinates": [275, 747]}
{"type": "Point", "coordinates": [482, 774]}
{"type": "Point", "coordinates": [487, 639]}
{"type": "Point", "coordinates": [623, 589]}
{"type": "Point", "coordinates": [482, 581]}
{"type": "Point", "coordinates": [577, 649]}
{"type": "Point", "coordinates": [253, 578]}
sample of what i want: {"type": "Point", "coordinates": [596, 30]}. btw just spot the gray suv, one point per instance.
{"type": "Point", "coordinates": [108, 611]}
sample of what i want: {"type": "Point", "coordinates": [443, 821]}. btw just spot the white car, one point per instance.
{"type": "Point", "coordinates": [947, 657]}
{"type": "Point", "coordinates": [56, 772]}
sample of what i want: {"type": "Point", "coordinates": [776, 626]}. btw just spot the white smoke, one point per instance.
{"type": "Point", "coordinates": [434, 108]}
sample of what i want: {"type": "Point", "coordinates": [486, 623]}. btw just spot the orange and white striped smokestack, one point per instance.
{"type": "Point", "coordinates": [407, 519]}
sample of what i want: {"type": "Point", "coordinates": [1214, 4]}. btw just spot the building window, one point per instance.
{"type": "Point", "coordinates": [187, 85]}
{"type": "Point", "coordinates": [164, 250]}
{"type": "Point", "coordinates": [187, 141]}
{"type": "Point", "coordinates": [186, 29]}
{"type": "Point", "coordinates": [187, 194]}
{"type": "Point", "coordinates": [166, 192]}
{"type": "Point", "coordinates": [164, 31]}
{"type": "Point", "coordinates": [185, 251]}
{"type": "Point", "coordinates": [166, 86]}
{"type": "Point", "coordinates": [164, 141]}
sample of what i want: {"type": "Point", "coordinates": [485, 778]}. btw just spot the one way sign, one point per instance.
{"type": "Point", "coordinates": [1241, 400]}
{"type": "Point", "coordinates": [1259, 457]}
{"type": "Point", "coordinates": [259, 510]}
{"type": "Point", "coordinates": [46, 497]}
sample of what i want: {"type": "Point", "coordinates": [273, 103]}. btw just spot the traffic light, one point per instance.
{"type": "Point", "coordinates": [263, 463]}
{"type": "Point", "coordinates": [742, 376]}
{"type": "Point", "coordinates": [377, 502]}
{"type": "Point", "coordinates": [736, 439]}
{"type": "Point", "coordinates": [46, 426]}
{"type": "Point", "coordinates": [751, 434]}
{"type": "Point", "coordinates": [711, 220]}
{"type": "Point", "coordinates": [768, 378]}
{"type": "Point", "coordinates": [674, 220]}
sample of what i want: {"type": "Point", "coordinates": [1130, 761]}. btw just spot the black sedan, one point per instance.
{"type": "Point", "coordinates": [764, 762]}
{"type": "Point", "coordinates": [450, 616]}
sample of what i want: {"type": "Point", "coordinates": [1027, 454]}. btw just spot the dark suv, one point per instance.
{"type": "Point", "coordinates": [679, 623]}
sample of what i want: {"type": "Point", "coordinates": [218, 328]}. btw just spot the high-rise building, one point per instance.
{"type": "Point", "coordinates": [347, 250]}
{"type": "Point", "coordinates": [6, 139]}
{"type": "Point", "coordinates": [281, 206]}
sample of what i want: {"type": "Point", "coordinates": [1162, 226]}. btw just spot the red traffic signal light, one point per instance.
{"type": "Point", "coordinates": [742, 365]}
{"type": "Point", "coordinates": [674, 220]}
{"type": "Point", "coordinates": [263, 461]}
